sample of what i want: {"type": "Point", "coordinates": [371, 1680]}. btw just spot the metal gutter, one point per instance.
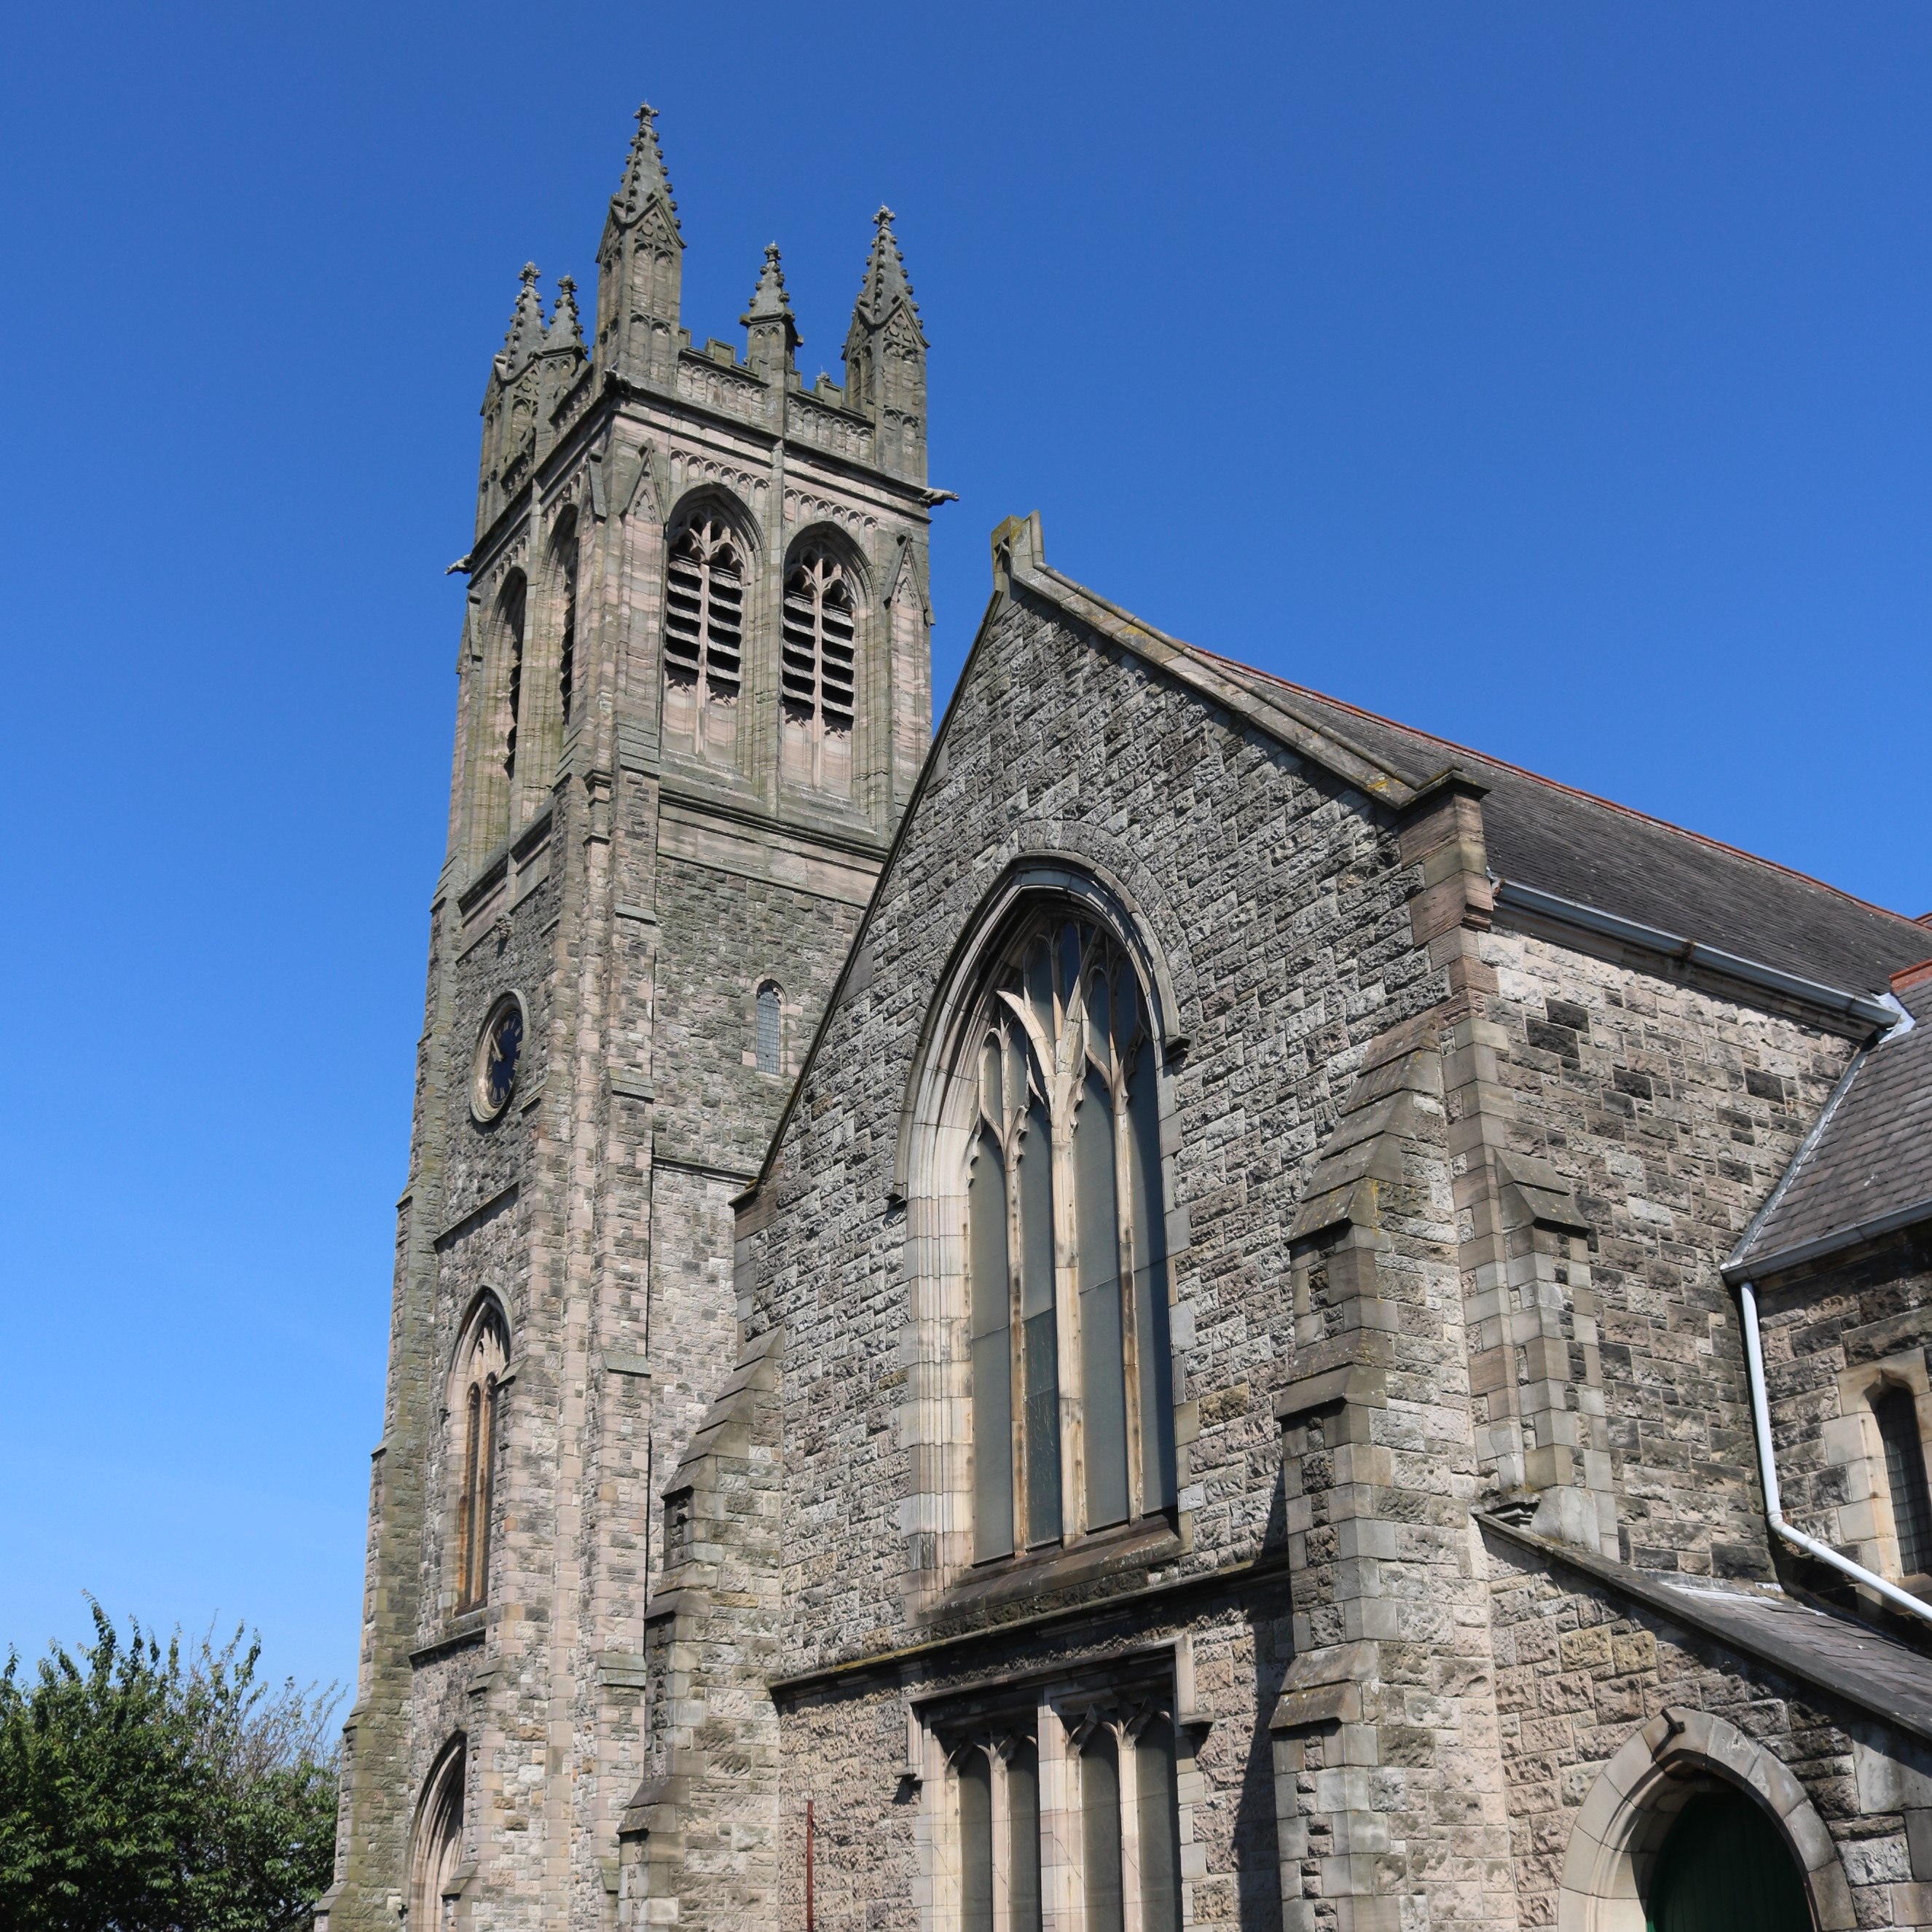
{"type": "Point", "coordinates": [1866, 1579]}
{"type": "Point", "coordinates": [1869, 1012]}
{"type": "Point", "coordinates": [1848, 1236]}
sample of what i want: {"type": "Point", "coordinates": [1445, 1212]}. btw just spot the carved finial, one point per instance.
{"type": "Point", "coordinates": [526, 336]}
{"type": "Point", "coordinates": [885, 284]}
{"type": "Point", "coordinates": [645, 179]}
{"type": "Point", "coordinates": [770, 302]}
{"type": "Point", "coordinates": [565, 331]}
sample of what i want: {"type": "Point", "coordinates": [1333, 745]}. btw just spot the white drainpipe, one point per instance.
{"type": "Point", "coordinates": [1901, 1600]}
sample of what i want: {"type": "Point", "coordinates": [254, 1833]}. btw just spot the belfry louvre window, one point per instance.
{"type": "Point", "coordinates": [566, 666]}
{"type": "Point", "coordinates": [704, 632]}
{"type": "Point", "coordinates": [816, 674]}
{"type": "Point", "coordinates": [1896, 1415]}
{"type": "Point", "coordinates": [512, 607]}
{"type": "Point", "coordinates": [1066, 1246]}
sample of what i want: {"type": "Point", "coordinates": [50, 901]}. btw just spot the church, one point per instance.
{"type": "Point", "coordinates": [1170, 1306]}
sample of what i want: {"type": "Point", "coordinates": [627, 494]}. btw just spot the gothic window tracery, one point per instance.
{"type": "Point", "coordinates": [820, 631]}
{"type": "Point", "coordinates": [1065, 1245]}
{"type": "Point", "coordinates": [704, 631]}
{"type": "Point", "coordinates": [481, 1363]}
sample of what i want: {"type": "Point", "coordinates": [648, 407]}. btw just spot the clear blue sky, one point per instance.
{"type": "Point", "coordinates": [1557, 377]}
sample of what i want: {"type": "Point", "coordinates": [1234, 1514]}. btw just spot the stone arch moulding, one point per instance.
{"type": "Point", "coordinates": [903, 570]}
{"type": "Point", "coordinates": [822, 534]}
{"type": "Point", "coordinates": [1119, 893]}
{"type": "Point", "coordinates": [1636, 1797]}
{"type": "Point", "coordinates": [480, 1306]}
{"type": "Point", "coordinates": [731, 506]}
{"type": "Point", "coordinates": [436, 1837]}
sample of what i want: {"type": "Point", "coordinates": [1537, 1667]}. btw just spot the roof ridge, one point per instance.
{"type": "Point", "coordinates": [1557, 784]}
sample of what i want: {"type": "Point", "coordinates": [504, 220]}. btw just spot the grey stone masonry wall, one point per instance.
{"type": "Point", "coordinates": [1278, 900]}
{"type": "Point", "coordinates": [1589, 1687]}
{"type": "Point", "coordinates": [1279, 904]}
{"type": "Point", "coordinates": [1669, 1113]}
{"type": "Point", "coordinates": [1833, 1339]}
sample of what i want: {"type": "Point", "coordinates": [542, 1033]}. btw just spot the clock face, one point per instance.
{"type": "Point", "coordinates": [496, 1055]}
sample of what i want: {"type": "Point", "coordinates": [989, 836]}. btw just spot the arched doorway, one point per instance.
{"type": "Point", "coordinates": [1687, 1824]}
{"type": "Point", "coordinates": [1725, 1868]}
{"type": "Point", "coordinates": [436, 1846]}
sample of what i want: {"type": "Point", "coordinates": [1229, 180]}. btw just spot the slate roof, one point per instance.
{"type": "Point", "coordinates": [1867, 1167]}
{"type": "Point", "coordinates": [1559, 840]}
{"type": "Point", "coordinates": [1832, 1652]}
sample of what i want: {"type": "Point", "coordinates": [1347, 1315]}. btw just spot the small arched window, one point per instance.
{"type": "Point", "coordinates": [771, 1023]}
{"type": "Point", "coordinates": [1896, 1415]}
{"type": "Point", "coordinates": [704, 633]}
{"type": "Point", "coordinates": [821, 622]}
{"type": "Point", "coordinates": [480, 1362]}
{"type": "Point", "coordinates": [1066, 1244]}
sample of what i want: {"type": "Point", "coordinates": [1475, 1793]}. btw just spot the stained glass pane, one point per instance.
{"type": "Point", "coordinates": [768, 1029]}
{"type": "Point", "coordinates": [1148, 1220]}
{"type": "Point", "coordinates": [1897, 1417]}
{"type": "Point", "coordinates": [1156, 1790]}
{"type": "Point", "coordinates": [1100, 1832]}
{"type": "Point", "coordinates": [1103, 1385]}
{"type": "Point", "coordinates": [992, 1300]}
{"type": "Point", "coordinates": [975, 1844]}
{"type": "Point", "coordinates": [1023, 1822]}
{"type": "Point", "coordinates": [1041, 1350]}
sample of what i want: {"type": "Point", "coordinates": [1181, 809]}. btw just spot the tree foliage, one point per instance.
{"type": "Point", "coordinates": [150, 1790]}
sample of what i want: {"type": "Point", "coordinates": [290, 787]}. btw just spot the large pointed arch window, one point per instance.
{"type": "Point", "coordinates": [820, 628]}
{"type": "Point", "coordinates": [1066, 1244]}
{"type": "Point", "coordinates": [704, 635]}
{"type": "Point", "coordinates": [481, 1360]}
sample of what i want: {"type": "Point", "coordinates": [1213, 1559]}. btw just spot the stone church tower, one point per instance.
{"type": "Point", "coordinates": [693, 692]}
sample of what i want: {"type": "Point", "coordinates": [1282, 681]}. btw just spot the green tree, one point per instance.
{"type": "Point", "coordinates": [145, 1790]}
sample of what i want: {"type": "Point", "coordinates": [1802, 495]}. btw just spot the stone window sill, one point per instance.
{"type": "Point", "coordinates": [1126, 1552]}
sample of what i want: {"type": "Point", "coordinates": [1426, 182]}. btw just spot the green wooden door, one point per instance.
{"type": "Point", "coordinates": [1724, 1868]}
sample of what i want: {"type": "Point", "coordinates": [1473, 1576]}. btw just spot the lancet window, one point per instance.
{"type": "Point", "coordinates": [566, 664]}
{"type": "Point", "coordinates": [513, 609]}
{"type": "Point", "coordinates": [704, 633]}
{"type": "Point", "coordinates": [1897, 1415]}
{"type": "Point", "coordinates": [770, 1028]}
{"type": "Point", "coordinates": [820, 628]}
{"type": "Point", "coordinates": [480, 1363]}
{"type": "Point", "coordinates": [1076, 1796]}
{"type": "Point", "coordinates": [1066, 1244]}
